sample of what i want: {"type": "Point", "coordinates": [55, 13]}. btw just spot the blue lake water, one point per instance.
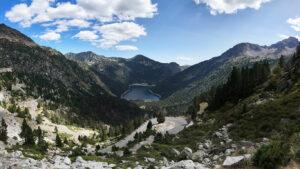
{"type": "Point", "coordinates": [140, 92]}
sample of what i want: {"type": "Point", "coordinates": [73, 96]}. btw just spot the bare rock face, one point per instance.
{"type": "Point", "coordinates": [14, 36]}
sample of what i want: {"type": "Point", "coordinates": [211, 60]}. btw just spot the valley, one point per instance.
{"type": "Point", "coordinates": [140, 92]}
{"type": "Point", "coordinates": [83, 110]}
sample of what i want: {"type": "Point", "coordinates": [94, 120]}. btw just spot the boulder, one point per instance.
{"type": "Point", "coordinates": [207, 144]}
{"type": "Point", "coordinates": [175, 152]}
{"type": "Point", "coordinates": [185, 164]}
{"type": "Point", "coordinates": [232, 161]}
{"type": "Point", "coordinates": [119, 153]}
{"type": "Point", "coordinates": [198, 155]}
{"type": "Point", "coordinates": [219, 134]}
{"type": "Point", "coordinates": [151, 160]}
{"type": "Point", "coordinates": [186, 153]}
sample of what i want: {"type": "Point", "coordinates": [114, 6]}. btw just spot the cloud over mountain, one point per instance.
{"type": "Point", "coordinates": [58, 17]}
{"type": "Point", "coordinates": [230, 6]}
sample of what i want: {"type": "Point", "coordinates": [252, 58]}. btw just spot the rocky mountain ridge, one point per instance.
{"type": "Point", "coordinates": [181, 88]}
{"type": "Point", "coordinates": [119, 73]}
{"type": "Point", "coordinates": [48, 74]}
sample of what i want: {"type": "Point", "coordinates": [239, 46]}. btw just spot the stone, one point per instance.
{"type": "Point", "coordinates": [16, 154]}
{"type": "Point", "coordinates": [219, 134]}
{"type": "Point", "coordinates": [79, 159]}
{"type": "Point", "coordinates": [67, 161]}
{"type": "Point", "coordinates": [119, 153]}
{"type": "Point", "coordinates": [206, 161]}
{"type": "Point", "coordinates": [185, 164]}
{"type": "Point", "coordinates": [228, 152]}
{"type": "Point", "coordinates": [265, 140]}
{"type": "Point", "coordinates": [186, 153]}
{"type": "Point", "coordinates": [175, 152]}
{"type": "Point", "coordinates": [198, 155]}
{"type": "Point", "coordinates": [233, 161]}
{"type": "Point", "coordinates": [165, 161]}
{"type": "Point", "coordinates": [216, 157]}
{"type": "Point", "coordinates": [151, 160]}
{"type": "Point", "coordinates": [207, 144]}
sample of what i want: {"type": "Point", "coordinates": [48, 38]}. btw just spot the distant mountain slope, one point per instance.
{"type": "Point", "coordinates": [118, 73]}
{"type": "Point", "coordinates": [182, 87]}
{"type": "Point", "coordinates": [48, 74]}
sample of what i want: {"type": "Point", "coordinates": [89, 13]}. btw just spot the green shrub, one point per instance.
{"type": "Point", "coordinates": [272, 156]}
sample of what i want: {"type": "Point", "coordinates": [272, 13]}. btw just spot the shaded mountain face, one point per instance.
{"type": "Point", "coordinates": [182, 87]}
{"type": "Point", "coordinates": [119, 73]}
{"type": "Point", "coordinates": [15, 36]}
{"type": "Point", "coordinates": [48, 74]}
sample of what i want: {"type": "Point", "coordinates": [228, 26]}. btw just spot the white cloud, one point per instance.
{"type": "Point", "coordinates": [27, 15]}
{"type": "Point", "coordinates": [295, 23]}
{"type": "Point", "coordinates": [50, 36]}
{"type": "Point", "coordinates": [64, 25]}
{"type": "Point", "coordinates": [230, 6]}
{"type": "Point", "coordinates": [86, 36]}
{"type": "Point", "coordinates": [126, 48]}
{"type": "Point", "coordinates": [113, 34]}
{"type": "Point", "coordinates": [106, 10]}
{"type": "Point", "coordinates": [101, 10]}
{"type": "Point", "coordinates": [61, 16]}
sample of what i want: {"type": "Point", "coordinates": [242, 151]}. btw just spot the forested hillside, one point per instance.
{"type": "Point", "coordinates": [48, 74]}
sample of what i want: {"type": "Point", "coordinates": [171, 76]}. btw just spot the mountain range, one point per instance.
{"type": "Point", "coordinates": [49, 74]}
{"type": "Point", "coordinates": [176, 85]}
{"type": "Point", "coordinates": [182, 87]}
{"type": "Point", "coordinates": [81, 72]}
{"type": "Point", "coordinates": [119, 73]}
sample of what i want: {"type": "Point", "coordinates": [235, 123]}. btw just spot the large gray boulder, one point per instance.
{"type": "Point", "coordinates": [186, 153]}
{"type": "Point", "coordinates": [233, 161]}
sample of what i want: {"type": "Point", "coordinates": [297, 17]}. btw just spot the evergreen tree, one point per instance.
{"type": "Point", "coordinates": [240, 84]}
{"type": "Point", "coordinates": [42, 144]}
{"type": "Point", "coordinates": [149, 125]}
{"type": "Point", "coordinates": [104, 134]}
{"type": "Point", "coordinates": [27, 134]}
{"type": "Point", "coordinates": [160, 118]}
{"type": "Point", "coordinates": [3, 131]}
{"type": "Point", "coordinates": [126, 151]}
{"type": "Point", "coordinates": [66, 140]}
{"type": "Point", "coordinates": [281, 61]}
{"type": "Point", "coordinates": [58, 141]}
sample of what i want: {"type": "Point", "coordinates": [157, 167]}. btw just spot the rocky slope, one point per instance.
{"type": "Point", "coordinates": [48, 74]}
{"type": "Point", "coordinates": [182, 87]}
{"type": "Point", "coordinates": [118, 73]}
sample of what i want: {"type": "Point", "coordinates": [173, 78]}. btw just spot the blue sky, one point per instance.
{"type": "Point", "coordinates": [184, 31]}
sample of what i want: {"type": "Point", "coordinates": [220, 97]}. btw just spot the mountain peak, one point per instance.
{"type": "Point", "coordinates": [142, 59]}
{"type": "Point", "coordinates": [240, 49]}
{"type": "Point", "coordinates": [15, 36]}
{"type": "Point", "coordinates": [290, 42]}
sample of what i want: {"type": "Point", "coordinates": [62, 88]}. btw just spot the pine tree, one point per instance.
{"type": "Point", "coordinates": [3, 131]}
{"type": "Point", "coordinates": [42, 144]}
{"type": "Point", "coordinates": [27, 134]}
{"type": "Point", "coordinates": [160, 118]}
{"type": "Point", "coordinates": [58, 141]}
{"type": "Point", "coordinates": [149, 125]}
{"type": "Point", "coordinates": [126, 151]}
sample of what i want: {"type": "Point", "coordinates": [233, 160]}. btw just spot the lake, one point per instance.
{"type": "Point", "coordinates": [140, 92]}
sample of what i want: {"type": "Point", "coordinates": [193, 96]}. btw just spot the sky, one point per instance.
{"type": "Point", "coordinates": [182, 31]}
